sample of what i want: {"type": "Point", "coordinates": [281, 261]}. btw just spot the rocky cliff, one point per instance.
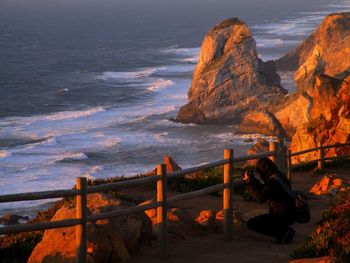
{"type": "Point", "coordinates": [229, 78]}
{"type": "Point", "coordinates": [323, 55]}
{"type": "Point", "coordinates": [325, 51]}
{"type": "Point", "coordinates": [329, 121]}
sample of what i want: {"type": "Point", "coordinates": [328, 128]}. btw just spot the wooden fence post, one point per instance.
{"type": "Point", "coordinates": [273, 148]}
{"type": "Point", "coordinates": [284, 157]}
{"type": "Point", "coordinates": [81, 213]}
{"type": "Point", "coordinates": [162, 241]}
{"type": "Point", "coordinates": [228, 196]}
{"type": "Point", "coordinates": [320, 163]}
{"type": "Point", "coordinates": [289, 165]}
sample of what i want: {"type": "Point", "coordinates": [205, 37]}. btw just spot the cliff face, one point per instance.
{"type": "Point", "coordinates": [229, 78]}
{"type": "Point", "coordinates": [325, 51]}
{"type": "Point", "coordinates": [329, 118]}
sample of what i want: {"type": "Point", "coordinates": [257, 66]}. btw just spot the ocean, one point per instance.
{"type": "Point", "coordinates": [88, 88]}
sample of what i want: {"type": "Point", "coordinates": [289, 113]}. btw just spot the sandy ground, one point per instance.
{"type": "Point", "coordinates": [246, 246]}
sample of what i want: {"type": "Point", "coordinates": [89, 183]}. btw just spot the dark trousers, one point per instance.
{"type": "Point", "coordinates": [270, 225]}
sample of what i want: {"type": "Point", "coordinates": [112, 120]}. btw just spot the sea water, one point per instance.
{"type": "Point", "coordinates": [88, 88]}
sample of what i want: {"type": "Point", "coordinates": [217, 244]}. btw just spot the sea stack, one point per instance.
{"type": "Point", "coordinates": [229, 78]}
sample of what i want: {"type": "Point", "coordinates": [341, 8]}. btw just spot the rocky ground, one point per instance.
{"type": "Point", "coordinates": [209, 246]}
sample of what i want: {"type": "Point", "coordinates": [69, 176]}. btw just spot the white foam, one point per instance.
{"type": "Point", "coordinates": [274, 42]}
{"type": "Point", "coordinates": [183, 68]}
{"type": "Point", "coordinates": [127, 75]}
{"type": "Point", "coordinates": [4, 154]}
{"type": "Point", "coordinates": [182, 51]}
{"type": "Point", "coordinates": [241, 138]}
{"type": "Point", "coordinates": [160, 84]}
{"type": "Point", "coordinates": [73, 156]}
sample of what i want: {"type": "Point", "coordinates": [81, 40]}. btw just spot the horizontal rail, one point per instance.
{"type": "Point", "coordinates": [324, 159]}
{"type": "Point", "coordinates": [121, 184]}
{"type": "Point", "coordinates": [306, 151]}
{"type": "Point", "coordinates": [73, 222]}
{"type": "Point", "coordinates": [323, 147]}
{"type": "Point", "coordinates": [183, 172]}
{"type": "Point", "coordinates": [122, 212]}
{"type": "Point", "coordinates": [336, 157]}
{"type": "Point", "coordinates": [207, 190]}
{"type": "Point", "coordinates": [105, 187]}
{"type": "Point", "coordinates": [336, 145]}
{"type": "Point", "coordinates": [39, 226]}
{"type": "Point", "coordinates": [253, 156]}
{"type": "Point", "coordinates": [38, 195]}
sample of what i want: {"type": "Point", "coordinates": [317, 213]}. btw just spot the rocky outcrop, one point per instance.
{"type": "Point", "coordinates": [229, 78]}
{"type": "Point", "coordinates": [179, 222]}
{"type": "Point", "coordinates": [263, 122]}
{"type": "Point", "coordinates": [313, 60]}
{"type": "Point", "coordinates": [325, 51]}
{"type": "Point", "coordinates": [170, 164]}
{"type": "Point", "coordinates": [109, 240]}
{"type": "Point", "coordinates": [329, 121]}
{"type": "Point", "coordinates": [329, 184]}
{"type": "Point", "coordinates": [283, 121]}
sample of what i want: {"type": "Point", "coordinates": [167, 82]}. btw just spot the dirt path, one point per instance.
{"type": "Point", "coordinates": [246, 246]}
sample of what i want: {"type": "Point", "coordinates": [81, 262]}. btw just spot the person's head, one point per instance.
{"type": "Point", "coordinates": [265, 168]}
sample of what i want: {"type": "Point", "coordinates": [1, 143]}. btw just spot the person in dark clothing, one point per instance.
{"type": "Point", "coordinates": [281, 205]}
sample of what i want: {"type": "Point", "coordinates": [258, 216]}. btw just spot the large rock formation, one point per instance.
{"type": "Point", "coordinates": [229, 78]}
{"type": "Point", "coordinates": [329, 118]}
{"type": "Point", "coordinates": [325, 51]}
{"type": "Point", "coordinates": [281, 120]}
{"type": "Point", "coordinates": [109, 240]}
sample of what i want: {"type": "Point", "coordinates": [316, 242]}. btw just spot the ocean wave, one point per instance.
{"type": "Point", "coordinates": [181, 51]}
{"type": "Point", "coordinates": [4, 154]}
{"type": "Point", "coordinates": [241, 138]}
{"type": "Point", "coordinates": [160, 84]}
{"type": "Point", "coordinates": [73, 157]}
{"type": "Point", "coordinates": [70, 114]}
{"type": "Point", "coordinates": [127, 75]}
{"type": "Point", "coordinates": [274, 42]}
{"type": "Point", "coordinates": [171, 69]}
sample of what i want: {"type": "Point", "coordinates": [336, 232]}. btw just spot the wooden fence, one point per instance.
{"type": "Point", "coordinates": [278, 152]}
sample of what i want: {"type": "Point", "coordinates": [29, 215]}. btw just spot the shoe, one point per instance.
{"type": "Point", "coordinates": [288, 236]}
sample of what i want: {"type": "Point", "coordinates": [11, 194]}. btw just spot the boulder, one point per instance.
{"type": "Point", "coordinates": [229, 78]}
{"type": "Point", "coordinates": [329, 184]}
{"type": "Point", "coordinates": [180, 222]}
{"type": "Point", "coordinates": [171, 165]}
{"type": "Point", "coordinates": [206, 219]}
{"type": "Point", "coordinates": [313, 56]}
{"type": "Point", "coordinates": [109, 240]}
{"type": "Point", "coordinates": [262, 122]}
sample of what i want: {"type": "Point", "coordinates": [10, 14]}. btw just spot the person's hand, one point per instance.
{"type": "Point", "coordinates": [247, 176]}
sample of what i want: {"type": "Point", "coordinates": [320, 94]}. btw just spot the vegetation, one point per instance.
{"type": "Point", "coordinates": [331, 236]}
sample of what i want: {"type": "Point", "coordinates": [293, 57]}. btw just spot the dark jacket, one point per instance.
{"type": "Point", "coordinates": [280, 202]}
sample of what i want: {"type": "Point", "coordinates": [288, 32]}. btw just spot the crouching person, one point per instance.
{"type": "Point", "coordinates": [281, 205]}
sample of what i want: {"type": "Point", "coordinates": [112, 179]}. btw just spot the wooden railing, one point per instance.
{"type": "Point", "coordinates": [277, 152]}
{"type": "Point", "coordinates": [320, 160]}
